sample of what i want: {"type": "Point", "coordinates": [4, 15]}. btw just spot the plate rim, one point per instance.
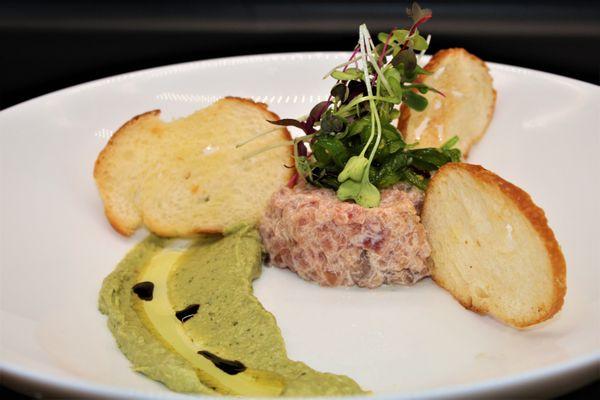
{"type": "Point", "coordinates": [260, 57]}
{"type": "Point", "coordinates": [13, 372]}
{"type": "Point", "coordinates": [579, 365]}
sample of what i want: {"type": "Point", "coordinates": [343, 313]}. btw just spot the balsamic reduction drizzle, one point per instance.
{"type": "Point", "coordinates": [231, 367]}
{"type": "Point", "coordinates": [144, 290]}
{"type": "Point", "coordinates": [187, 312]}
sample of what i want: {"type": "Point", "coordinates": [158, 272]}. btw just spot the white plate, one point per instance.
{"type": "Point", "coordinates": [56, 246]}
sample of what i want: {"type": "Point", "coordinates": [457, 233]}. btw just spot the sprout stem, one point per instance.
{"type": "Point", "coordinates": [374, 61]}
{"type": "Point", "coordinates": [422, 53]}
{"type": "Point", "coordinates": [344, 64]}
{"type": "Point", "coordinates": [344, 109]}
{"type": "Point", "coordinates": [385, 47]}
{"type": "Point", "coordinates": [258, 135]}
{"type": "Point", "coordinates": [375, 121]}
{"type": "Point", "coordinates": [267, 148]}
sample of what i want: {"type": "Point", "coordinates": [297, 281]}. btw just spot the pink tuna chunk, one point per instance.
{"type": "Point", "coordinates": [333, 243]}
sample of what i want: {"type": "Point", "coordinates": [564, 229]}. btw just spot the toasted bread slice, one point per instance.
{"type": "Point", "coordinates": [491, 246]}
{"type": "Point", "coordinates": [185, 177]}
{"type": "Point", "coordinates": [465, 111]}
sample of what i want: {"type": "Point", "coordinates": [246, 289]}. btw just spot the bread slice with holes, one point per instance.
{"type": "Point", "coordinates": [186, 177]}
{"type": "Point", "coordinates": [491, 246]}
{"type": "Point", "coordinates": [466, 108]}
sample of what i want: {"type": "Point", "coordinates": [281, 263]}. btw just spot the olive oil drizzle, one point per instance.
{"type": "Point", "coordinates": [160, 314]}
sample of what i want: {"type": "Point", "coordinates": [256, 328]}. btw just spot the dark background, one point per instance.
{"type": "Point", "coordinates": [48, 45]}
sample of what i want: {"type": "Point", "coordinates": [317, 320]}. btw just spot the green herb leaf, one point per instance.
{"type": "Point", "coordinates": [329, 149]}
{"type": "Point", "coordinates": [383, 37]}
{"type": "Point", "coordinates": [363, 193]}
{"type": "Point", "coordinates": [419, 43]}
{"type": "Point", "coordinates": [348, 75]}
{"type": "Point", "coordinates": [388, 178]}
{"type": "Point", "coordinates": [400, 35]}
{"type": "Point", "coordinates": [432, 156]}
{"type": "Point", "coordinates": [450, 143]}
{"type": "Point", "coordinates": [349, 190]}
{"type": "Point", "coordinates": [303, 166]}
{"type": "Point", "coordinates": [359, 126]}
{"type": "Point", "coordinates": [415, 101]}
{"type": "Point", "coordinates": [393, 138]}
{"type": "Point", "coordinates": [392, 75]}
{"type": "Point", "coordinates": [354, 169]}
{"type": "Point", "coordinates": [423, 88]}
{"type": "Point", "coordinates": [422, 71]}
{"type": "Point", "coordinates": [368, 196]}
{"type": "Point", "coordinates": [331, 123]}
{"type": "Point", "coordinates": [392, 170]}
{"type": "Point", "coordinates": [407, 58]}
{"type": "Point", "coordinates": [422, 166]}
{"type": "Point", "coordinates": [454, 154]}
{"type": "Point", "coordinates": [416, 180]}
{"type": "Point", "coordinates": [357, 149]}
{"type": "Point", "coordinates": [395, 114]}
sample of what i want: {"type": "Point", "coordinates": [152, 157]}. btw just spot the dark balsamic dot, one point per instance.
{"type": "Point", "coordinates": [144, 290]}
{"type": "Point", "coordinates": [187, 312]}
{"type": "Point", "coordinates": [266, 258]}
{"type": "Point", "coordinates": [231, 367]}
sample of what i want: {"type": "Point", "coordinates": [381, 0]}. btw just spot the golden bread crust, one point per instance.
{"type": "Point", "coordinates": [436, 62]}
{"type": "Point", "coordinates": [114, 221]}
{"type": "Point", "coordinates": [536, 217]}
{"type": "Point", "coordinates": [263, 107]}
{"type": "Point", "coordinates": [126, 226]}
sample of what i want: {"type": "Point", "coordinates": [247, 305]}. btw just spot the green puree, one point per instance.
{"type": "Point", "coordinates": [216, 273]}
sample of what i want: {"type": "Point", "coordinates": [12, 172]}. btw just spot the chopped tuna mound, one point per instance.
{"type": "Point", "coordinates": [334, 243]}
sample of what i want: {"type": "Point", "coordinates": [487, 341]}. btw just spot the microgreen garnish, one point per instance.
{"type": "Point", "coordinates": [356, 150]}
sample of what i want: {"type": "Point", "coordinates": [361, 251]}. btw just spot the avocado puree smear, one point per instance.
{"type": "Point", "coordinates": [193, 323]}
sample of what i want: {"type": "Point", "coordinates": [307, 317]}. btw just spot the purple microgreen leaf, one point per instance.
{"type": "Point", "coordinates": [340, 92]}
{"type": "Point", "coordinates": [293, 180]}
{"type": "Point", "coordinates": [302, 150]}
{"type": "Point", "coordinates": [318, 110]}
{"type": "Point", "coordinates": [416, 13]}
{"type": "Point", "coordinates": [406, 57]}
{"type": "Point", "coordinates": [332, 124]}
{"type": "Point", "coordinates": [289, 122]}
{"type": "Point", "coordinates": [355, 88]}
{"type": "Point", "coordinates": [315, 115]}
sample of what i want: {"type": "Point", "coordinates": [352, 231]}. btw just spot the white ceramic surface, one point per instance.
{"type": "Point", "coordinates": [56, 246]}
